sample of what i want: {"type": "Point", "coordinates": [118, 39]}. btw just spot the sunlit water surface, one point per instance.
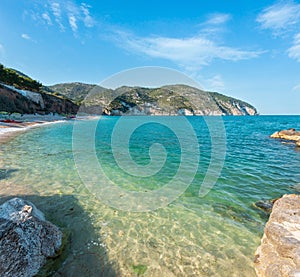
{"type": "Point", "coordinates": [215, 235]}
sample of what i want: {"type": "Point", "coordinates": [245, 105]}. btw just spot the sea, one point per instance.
{"type": "Point", "coordinates": [153, 196]}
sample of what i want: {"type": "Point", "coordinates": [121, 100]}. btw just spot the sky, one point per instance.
{"type": "Point", "coordinates": [247, 49]}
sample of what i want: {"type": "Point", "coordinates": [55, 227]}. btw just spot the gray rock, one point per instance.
{"type": "Point", "coordinates": [279, 252]}
{"type": "Point", "coordinates": [265, 205]}
{"type": "Point", "coordinates": [26, 239]}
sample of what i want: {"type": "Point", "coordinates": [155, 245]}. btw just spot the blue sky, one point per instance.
{"type": "Point", "coordinates": [245, 49]}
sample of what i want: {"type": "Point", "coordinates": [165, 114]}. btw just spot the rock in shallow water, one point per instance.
{"type": "Point", "coordinates": [279, 252]}
{"type": "Point", "coordinates": [26, 239]}
{"type": "Point", "coordinates": [290, 134]}
{"type": "Point", "coordinates": [265, 205]}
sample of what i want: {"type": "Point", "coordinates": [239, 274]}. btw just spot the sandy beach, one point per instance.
{"type": "Point", "coordinates": [22, 124]}
{"type": "Point", "coordinates": [28, 121]}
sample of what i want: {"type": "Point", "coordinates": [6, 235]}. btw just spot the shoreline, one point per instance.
{"type": "Point", "coordinates": [29, 121]}
{"type": "Point", "coordinates": [11, 130]}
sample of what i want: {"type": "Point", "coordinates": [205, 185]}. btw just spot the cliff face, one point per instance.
{"type": "Point", "coordinates": [166, 100]}
{"type": "Point", "coordinates": [26, 102]}
{"type": "Point", "coordinates": [19, 93]}
{"type": "Point", "coordinates": [279, 252]}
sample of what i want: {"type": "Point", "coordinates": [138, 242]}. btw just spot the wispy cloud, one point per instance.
{"type": "Point", "coordinates": [294, 51]}
{"type": "Point", "coordinates": [215, 25]}
{"type": "Point", "coordinates": [218, 18]}
{"type": "Point", "coordinates": [26, 36]}
{"type": "Point", "coordinates": [283, 19]}
{"type": "Point", "coordinates": [87, 19]}
{"type": "Point", "coordinates": [73, 24]}
{"type": "Point", "coordinates": [280, 17]}
{"type": "Point", "coordinates": [57, 12]}
{"type": "Point", "coordinates": [190, 52]}
{"type": "Point", "coordinates": [64, 14]}
{"type": "Point", "coordinates": [47, 18]}
{"type": "Point", "coordinates": [78, 14]}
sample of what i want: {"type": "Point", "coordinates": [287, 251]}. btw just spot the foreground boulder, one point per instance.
{"type": "Point", "coordinates": [279, 252]}
{"type": "Point", "coordinates": [290, 134]}
{"type": "Point", "coordinates": [26, 239]}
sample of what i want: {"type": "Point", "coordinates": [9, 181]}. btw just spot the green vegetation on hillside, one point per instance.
{"type": "Point", "coordinates": [75, 91]}
{"type": "Point", "coordinates": [41, 100]}
{"type": "Point", "coordinates": [12, 77]}
{"type": "Point", "coordinates": [171, 99]}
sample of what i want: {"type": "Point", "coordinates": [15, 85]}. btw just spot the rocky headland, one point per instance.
{"type": "Point", "coordinates": [279, 252]}
{"type": "Point", "coordinates": [166, 100]}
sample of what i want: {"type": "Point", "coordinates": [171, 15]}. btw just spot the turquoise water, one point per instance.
{"type": "Point", "coordinates": [214, 235]}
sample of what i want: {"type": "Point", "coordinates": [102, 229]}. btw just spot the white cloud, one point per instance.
{"type": "Point", "coordinates": [280, 16]}
{"type": "Point", "coordinates": [57, 12]}
{"type": "Point", "coordinates": [87, 19]}
{"type": "Point", "coordinates": [73, 24]}
{"type": "Point", "coordinates": [218, 18]}
{"type": "Point", "coordinates": [283, 18]}
{"type": "Point", "coordinates": [294, 51]}
{"type": "Point", "coordinates": [64, 14]}
{"type": "Point", "coordinates": [25, 36]}
{"type": "Point", "coordinates": [214, 25]}
{"type": "Point", "coordinates": [68, 11]}
{"type": "Point", "coordinates": [47, 18]}
{"type": "Point", "coordinates": [189, 52]}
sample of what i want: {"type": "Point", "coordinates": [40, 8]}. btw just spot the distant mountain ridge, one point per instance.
{"type": "Point", "coordinates": [165, 100]}
{"type": "Point", "coordinates": [75, 91]}
{"type": "Point", "coordinates": [19, 93]}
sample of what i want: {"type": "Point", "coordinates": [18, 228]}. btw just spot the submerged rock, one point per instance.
{"type": "Point", "coordinates": [265, 205]}
{"type": "Point", "coordinates": [26, 239]}
{"type": "Point", "coordinates": [279, 252]}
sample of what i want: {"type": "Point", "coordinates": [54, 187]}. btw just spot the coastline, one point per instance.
{"type": "Point", "coordinates": [28, 121]}
{"type": "Point", "coordinates": [12, 129]}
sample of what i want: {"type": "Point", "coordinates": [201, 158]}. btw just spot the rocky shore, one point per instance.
{"type": "Point", "coordinates": [279, 252]}
{"type": "Point", "coordinates": [26, 239]}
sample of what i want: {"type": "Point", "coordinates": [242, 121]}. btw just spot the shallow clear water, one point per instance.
{"type": "Point", "coordinates": [215, 235]}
